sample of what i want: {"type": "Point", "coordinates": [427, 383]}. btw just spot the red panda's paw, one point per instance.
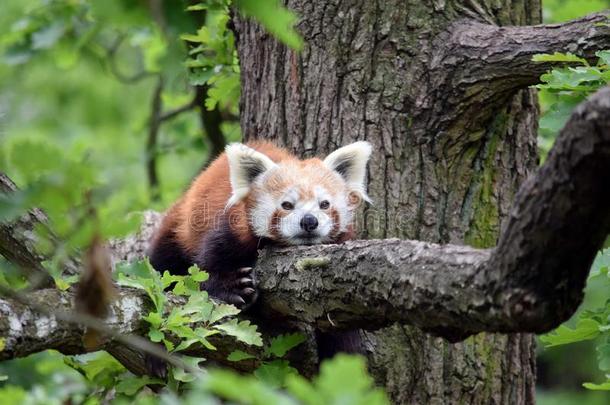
{"type": "Point", "coordinates": [243, 291]}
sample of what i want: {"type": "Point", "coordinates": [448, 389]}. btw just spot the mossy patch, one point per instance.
{"type": "Point", "coordinates": [312, 263]}
{"type": "Point", "coordinates": [485, 223]}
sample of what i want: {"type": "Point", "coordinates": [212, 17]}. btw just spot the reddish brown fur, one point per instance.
{"type": "Point", "coordinates": [335, 216]}
{"type": "Point", "coordinates": [191, 217]}
{"type": "Point", "coordinates": [275, 224]}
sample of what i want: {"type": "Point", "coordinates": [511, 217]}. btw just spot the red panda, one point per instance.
{"type": "Point", "coordinates": [254, 195]}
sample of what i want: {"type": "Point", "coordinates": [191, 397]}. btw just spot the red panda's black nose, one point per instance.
{"type": "Point", "coordinates": [309, 223]}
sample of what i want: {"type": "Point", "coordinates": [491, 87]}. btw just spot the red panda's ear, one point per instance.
{"type": "Point", "coordinates": [245, 164]}
{"type": "Point", "coordinates": [350, 162]}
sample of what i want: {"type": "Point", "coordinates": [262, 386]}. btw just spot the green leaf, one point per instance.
{"type": "Point", "coordinates": [154, 318]}
{"type": "Point", "coordinates": [141, 275]}
{"type": "Point", "coordinates": [283, 343]}
{"type": "Point", "coordinates": [198, 307]}
{"type": "Point", "coordinates": [64, 283]}
{"type": "Point", "coordinates": [222, 311]}
{"type": "Point", "coordinates": [274, 373]}
{"type": "Point", "coordinates": [559, 57]}
{"type": "Point", "coordinates": [17, 54]}
{"type": "Point", "coordinates": [604, 58]}
{"type": "Point", "coordinates": [185, 376]}
{"type": "Point", "coordinates": [586, 329]}
{"type": "Point", "coordinates": [224, 90]}
{"type": "Point", "coordinates": [200, 76]}
{"type": "Point", "coordinates": [603, 356]}
{"type": "Point", "coordinates": [242, 331]}
{"type": "Point", "coordinates": [598, 387]}
{"type": "Point", "coordinates": [180, 288]}
{"type": "Point", "coordinates": [197, 274]}
{"type": "Point", "coordinates": [168, 279]}
{"type": "Point", "coordinates": [197, 7]}
{"type": "Point", "coordinates": [245, 389]}
{"type": "Point", "coordinates": [186, 343]}
{"type": "Point", "coordinates": [102, 369]}
{"type": "Point", "coordinates": [130, 385]}
{"type": "Point", "coordinates": [239, 355]}
{"type": "Point", "coordinates": [303, 390]}
{"type": "Point", "coordinates": [203, 334]}
{"type": "Point", "coordinates": [276, 19]}
{"type": "Point", "coordinates": [169, 345]}
{"type": "Point", "coordinates": [155, 335]}
{"type": "Point", "coordinates": [176, 318]}
{"type": "Point", "coordinates": [344, 379]}
{"type": "Point", "coordinates": [182, 375]}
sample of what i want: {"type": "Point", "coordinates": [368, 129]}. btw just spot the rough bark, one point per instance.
{"type": "Point", "coordinates": [454, 134]}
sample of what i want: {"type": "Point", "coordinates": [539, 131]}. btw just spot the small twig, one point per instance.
{"type": "Point", "coordinates": [158, 15]}
{"type": "Point", "coordinates": [114, 69]}
{"type": "Point", "coordinates": [151, 143]}
{"type": "Point", "coordinates": [174, 113]}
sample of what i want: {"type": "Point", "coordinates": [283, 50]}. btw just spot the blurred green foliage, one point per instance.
{"type": "Point", "coordinates": [563, 88]}
{"type": "Point", "coordinates": [73, 129]}
{"type": "Point", "coordinates": [563, 369]}
{"type": "Point", "coordinates": [49, 378]}
{"type": "Point", "coordinates": [555, 11]}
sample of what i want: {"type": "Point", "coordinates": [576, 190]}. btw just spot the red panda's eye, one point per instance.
{"type": "Point", "coordinates": [324, 205]}
{"type": "Point", "coordinates": [287, 205]}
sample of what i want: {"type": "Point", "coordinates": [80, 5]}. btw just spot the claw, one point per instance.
{"type": "Point", "coordinates": [238, 301]}
{"type": "Point", "coordinates": [248, 291]}
{"type": "Point", "coordinates": [245, 282]}
{"type": "Point", "coordinates": [245, 270]}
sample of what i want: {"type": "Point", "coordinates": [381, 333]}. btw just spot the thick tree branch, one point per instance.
{"type": "Point", "coordinates": [46, 319]}
{"type": "Point", "coordinates": [488, 53]}
{"type": "Point", "coordinates": [474, 64]}
{"type": "Point", "coordinates": [531, 282]}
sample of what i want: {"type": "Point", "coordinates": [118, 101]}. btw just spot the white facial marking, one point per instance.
{"type": "Point", "coordinates": [346, 167]}
{"type": "Point", "coordinates": [350, 162]}
{"type": "Point", "coordinates": [246, 165]}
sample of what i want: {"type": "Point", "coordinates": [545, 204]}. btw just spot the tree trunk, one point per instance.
{"type": "Point", "coordinates": [452, 146]}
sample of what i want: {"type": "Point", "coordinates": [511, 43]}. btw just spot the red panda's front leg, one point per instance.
{"type": "Point", "coordinates": [228, 260]}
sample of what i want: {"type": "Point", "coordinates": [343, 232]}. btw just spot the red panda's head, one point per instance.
{"type": "Point", "coordinates": [299, 201]}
